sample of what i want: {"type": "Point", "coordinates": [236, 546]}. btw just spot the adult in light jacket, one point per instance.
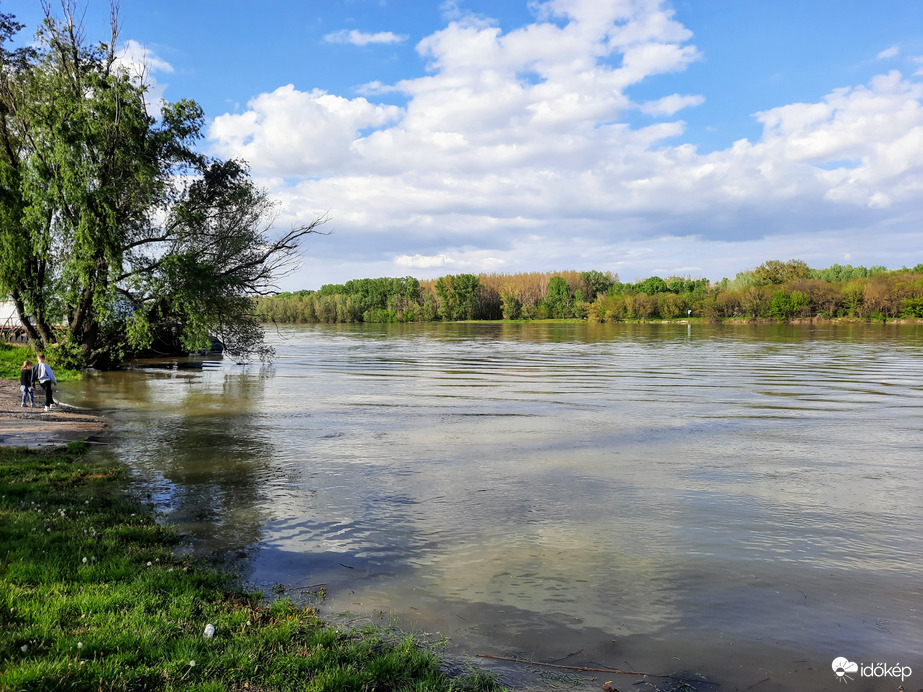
{"type": "Point", "coordinates": [43, 374]}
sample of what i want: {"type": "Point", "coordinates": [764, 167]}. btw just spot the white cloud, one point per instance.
{"type": "Point", "coordinates": [294, 133]}
{"type": "Point", "coordinates": [450, 10]}
{"type": "Point", "coordinates": [142, 64]}
{"type": "Point", "coordinates": [514, 150]}
{"type": "Point", "coordinates": [361, 38]}
{"type": "Point", "coordinates": [139, 58]}
{"type": "Point", "coordinates": [879, 125]}
{"type": "Point", "coordinates": [423, 262]}
{"type": "Point", "coordinates": [672, 104]}
{"type": "Point", "coordinates": [376, 88]}
{"type": "Point", "coordinates": [891, 52]}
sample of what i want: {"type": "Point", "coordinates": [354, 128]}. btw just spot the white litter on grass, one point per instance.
{"type": "Point", "coordinates": [209, 631]}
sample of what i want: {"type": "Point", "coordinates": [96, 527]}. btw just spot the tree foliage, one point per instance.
{"type": "Point", "coordinates": [559, 298]}
{"type": "Point", "coordinates": [458, 296]}
{"type": "Point", "coordinates": [113, 226]}
{"type": "Point", "coordinates": [877, 294]}
{"type": "Point", "coordinates": [776, 273]}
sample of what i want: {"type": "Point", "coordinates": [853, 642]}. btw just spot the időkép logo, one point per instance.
{"type": "Point", "coordinates": [846, 670]}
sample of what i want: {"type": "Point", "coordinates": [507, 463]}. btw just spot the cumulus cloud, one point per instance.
{"type": "Point", "coordinates": [294, 133]}
{"type": "Point", "coordinates": [361, 38]}
{"type": "Point", "coordinates": [514, 150]}
{"type": "Point", "coordinates": [877, 127]}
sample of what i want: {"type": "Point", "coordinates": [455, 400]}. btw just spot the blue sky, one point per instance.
{"type": "Point", "coordinates": [693, 137]}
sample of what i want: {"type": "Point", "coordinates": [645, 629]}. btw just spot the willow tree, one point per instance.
{"type": "Point", "coordinates": [112, 225]}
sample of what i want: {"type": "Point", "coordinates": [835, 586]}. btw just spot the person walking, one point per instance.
{"type": "Point", "coordinates": [43, 374]}
{"type": "Point", "coordinates": [25, 383]}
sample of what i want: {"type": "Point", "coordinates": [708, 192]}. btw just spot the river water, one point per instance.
{"type": "Point", "coordinates": [735, 503]}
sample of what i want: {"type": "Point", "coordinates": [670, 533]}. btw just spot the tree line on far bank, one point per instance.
{"type": "Point", "coordinates": [774, 290]}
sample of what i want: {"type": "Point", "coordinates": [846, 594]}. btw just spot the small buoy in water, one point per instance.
{"type": "Point", "coordinates": [209, 631]}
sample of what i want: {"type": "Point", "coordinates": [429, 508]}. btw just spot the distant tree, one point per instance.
{"type": "Point", "coordinates": [652, 286]}
{"type": "Point", "coordinates": [912, 307]}
{"type": "Point", "coordinates": [755, 303]}
{"type": "Point", "coordinates": [676, 284]}
{"type": "Point", "coordinates": [885, 294]}
{"type": "Point", "coordinates": [579, 305]}
{"type": "Point", "coordinates": [643, 305]}
{"type": "Point", "coordinates": [512, 307]}
{"type": "Point", "coordinates": [785, 305]}
{"type": "Point", "coordinates": [430, 309]}
{"type": "Point", "coordinates": [445, 293]}
{"type": "Point", "coordinates": [596, 282]}
{"type": "Point", "coordinates": [669, 305]}
{"type": "Point", "coordinates": [466, 296]}
{"type": "Point", "coordinates": [728, 305]}
{"type": "Point", "coordinates": [823, 296]}
{"type": "Point", "coordinates": [458, 296]}
{"type": "Point", "coordinates": [851, 295]}
{"type": "Point", "coordinates": [776, 273]}
{"type": "Point", "coordinates": [740, 281]}
{"type": "Point", "coordinates": [558, 299]}
{"type": "Point", "coordinates": [837, 272]}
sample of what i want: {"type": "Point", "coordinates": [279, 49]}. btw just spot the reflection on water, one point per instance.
{"type": "Point", "coordinates": [741, 502]}
{"type": "Point", "coordinates": [192, 435]}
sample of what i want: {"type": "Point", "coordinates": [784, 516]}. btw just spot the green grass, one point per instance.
{"type": "Point", "coordinates": [11, 358]}
{"type": "Point", "coordinates": [92, 597]}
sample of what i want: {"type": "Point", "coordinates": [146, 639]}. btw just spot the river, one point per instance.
{"type": "Point", "coordinates": [737, 503]}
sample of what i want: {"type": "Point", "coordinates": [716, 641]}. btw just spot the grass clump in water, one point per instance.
{"type": "Point", "coordinates": [92, 597]}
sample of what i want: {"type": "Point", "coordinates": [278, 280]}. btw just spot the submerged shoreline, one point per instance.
{"type": "Point", "coordinates": [126, 554]}
{"type": "Point", "coordinates": [94, 595]}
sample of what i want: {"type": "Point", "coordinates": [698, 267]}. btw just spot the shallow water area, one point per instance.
{"type": "Point", "coordinates": [738, 503]}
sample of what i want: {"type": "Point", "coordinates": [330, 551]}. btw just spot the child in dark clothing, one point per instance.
{"type": "Point", "coordinates": [25, 384]}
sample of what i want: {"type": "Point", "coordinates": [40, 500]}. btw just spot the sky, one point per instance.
{"type": "Point", "coordinates": [693, 138]}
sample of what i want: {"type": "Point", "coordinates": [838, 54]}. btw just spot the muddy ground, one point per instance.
{"type": "Point", "coordinates": [34, 427]}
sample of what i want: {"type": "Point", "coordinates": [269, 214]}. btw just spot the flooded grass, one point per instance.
{"type": "Point", "coordinates": [93, 597]}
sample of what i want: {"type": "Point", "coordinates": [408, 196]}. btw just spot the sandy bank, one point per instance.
{"type": "Point", "coordinates": [34, 427]}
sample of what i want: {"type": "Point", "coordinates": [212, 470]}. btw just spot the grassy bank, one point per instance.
{"type": "Point", "coordinates": [93, 598]}
{"type": "Point", "coordinates": [11, 358]}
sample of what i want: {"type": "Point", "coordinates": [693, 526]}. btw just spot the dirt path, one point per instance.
{"type": "Point", "coordinates": [34, 427]}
